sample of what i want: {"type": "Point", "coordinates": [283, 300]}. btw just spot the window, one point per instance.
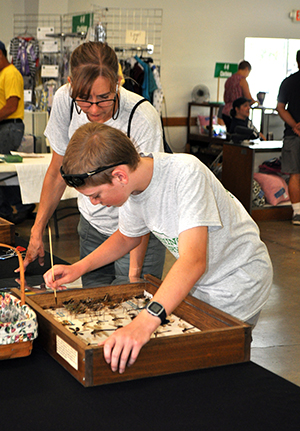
{"type": "Point", "coordinates": [272, 60]}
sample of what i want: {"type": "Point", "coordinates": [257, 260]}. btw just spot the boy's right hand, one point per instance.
{"type": "Point", "coordinates": [63, 274]}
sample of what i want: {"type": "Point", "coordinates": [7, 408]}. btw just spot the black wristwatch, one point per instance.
{"type": "Point", "coordinates": [157, 310]}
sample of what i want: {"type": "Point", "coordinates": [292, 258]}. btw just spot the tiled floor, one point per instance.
{"type": "Point", "coordinates": [276, 338]}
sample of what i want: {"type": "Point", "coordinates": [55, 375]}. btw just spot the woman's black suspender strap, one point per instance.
{"type": "Point", "coordinates": [132, 113]}
{"type": "Point", "coordinates": [167, 149]}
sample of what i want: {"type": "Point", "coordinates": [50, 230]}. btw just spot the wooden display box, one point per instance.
{"type": "Point", "coordinates": [222, 340]}
{"type": "Point", "coordinates": [7, 232]}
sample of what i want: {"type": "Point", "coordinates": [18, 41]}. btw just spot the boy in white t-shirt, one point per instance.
{"type": "Point", "coordinates": [220, 257]}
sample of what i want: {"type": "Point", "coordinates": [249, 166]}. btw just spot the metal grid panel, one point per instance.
{"type": "Point", "coordinates": [66, 20]}
{"type": "Point", "coordinates": [28, 23]}
{"type": "Point", "coordinates": [118, 20]}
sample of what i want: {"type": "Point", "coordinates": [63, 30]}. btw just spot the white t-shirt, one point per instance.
{"type": "Point", "coordinates": [184, 194]}
{"type": "Point", "coordinates": [146, 135]}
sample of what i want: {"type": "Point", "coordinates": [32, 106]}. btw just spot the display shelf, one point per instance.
{"type": "Point", "coordinates": [239, 164]}
{"type": "Point", "coordinates": [204, 146]}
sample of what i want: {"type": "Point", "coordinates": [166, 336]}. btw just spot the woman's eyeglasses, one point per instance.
{"type": "Point", "coordinates": [86, 104]}
{"type": "Point", "coordinates": [78, 180]}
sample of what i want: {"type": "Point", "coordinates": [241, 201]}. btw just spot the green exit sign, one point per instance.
{"type": "Point", "coordinates": [225, 70]}
{"type": "Point", "coordinates": [81, 23]}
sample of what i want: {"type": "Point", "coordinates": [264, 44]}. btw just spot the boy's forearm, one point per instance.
{"type": "Point", "coordinates": [187, 269]}
{"type": "Point", "coordinates": [178, 282]}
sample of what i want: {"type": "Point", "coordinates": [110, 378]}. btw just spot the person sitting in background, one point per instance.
{"type": "Point", "coordinates": [236, 86]}
{"type": "Point", "coordinates": [240, 117]}
{"type": "Point", "coordinates": [11, 134]}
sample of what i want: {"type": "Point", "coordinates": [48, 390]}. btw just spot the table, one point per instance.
{"type": "Point", "coordinates": [34, 272]}
{"type": "Point", "coordinates": [38, 394]}
{"type": "Point", "coordinates": [30, 176]}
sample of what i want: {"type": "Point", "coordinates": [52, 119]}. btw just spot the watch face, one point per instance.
{"type": "Point", "coordinates": [155, 307]}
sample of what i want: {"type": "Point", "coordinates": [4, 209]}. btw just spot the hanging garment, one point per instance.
{"type": "Point", "coordinates": [25, 55]}
{"type": "Point", "coordinates": [149, 84]}
{"type": "Point", "coordinates": [158, 95]}
{"type": "Point", "coordinates": [137, 74]}
{"type": "Point", "coordinates": [143, 78]}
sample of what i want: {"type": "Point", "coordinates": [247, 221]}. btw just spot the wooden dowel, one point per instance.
{"type": "Point", "coordinates": [51, 259]}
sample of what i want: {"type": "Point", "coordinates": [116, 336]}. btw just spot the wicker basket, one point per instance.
{"type": "Point", "coordinates": [18, 322]}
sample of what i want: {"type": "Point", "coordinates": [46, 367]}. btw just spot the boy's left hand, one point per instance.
{"type": "Point", "coordinates": [123, 347]}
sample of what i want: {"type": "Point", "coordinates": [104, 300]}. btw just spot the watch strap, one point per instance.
{"type": "Point", "coordinates": [162, 315]}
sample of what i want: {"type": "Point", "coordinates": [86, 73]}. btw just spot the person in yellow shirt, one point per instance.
{"type": "Point", "coordinates": [11, 104]}
{"type": "Point", "coordinates": [11, 133]}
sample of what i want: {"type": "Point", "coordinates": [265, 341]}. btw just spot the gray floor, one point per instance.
{"type": "Point", "coordinates": [276, 338]}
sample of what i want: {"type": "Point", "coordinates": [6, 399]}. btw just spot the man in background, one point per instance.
{"type": "Point", "coordinates": [11, 133]}
{"type": "Point", "coordinates": [288, 107]}
{"type": "Point", "coordinates": [236, 86]}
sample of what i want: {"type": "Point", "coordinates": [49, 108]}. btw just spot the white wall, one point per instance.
{"type": "Point", "coordinates": [7, 10]}
{"type": "Point", "coordinates": [199, 33]}
{"type": "Point", "coordinates": [196, 35]}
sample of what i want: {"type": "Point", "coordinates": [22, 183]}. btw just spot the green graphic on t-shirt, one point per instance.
{"type": "Point", "coordinates": [170, 243]}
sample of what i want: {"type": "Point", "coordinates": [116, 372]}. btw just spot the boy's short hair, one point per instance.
{"type": "Point", "coordinates": [94, 145]}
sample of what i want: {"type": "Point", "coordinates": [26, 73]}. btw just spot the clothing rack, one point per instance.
{"type": "Point", "coordinates": [149, 49]}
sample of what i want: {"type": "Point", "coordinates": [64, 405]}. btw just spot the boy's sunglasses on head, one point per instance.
{"type": "Point", "coordinates": [78, 180]}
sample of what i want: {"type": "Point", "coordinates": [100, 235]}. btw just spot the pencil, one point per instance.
{"type": "Point", "coordinates": [51, 259]}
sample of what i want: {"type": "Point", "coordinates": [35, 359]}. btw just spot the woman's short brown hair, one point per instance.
{"type": "Point", "coordinates": [94, 145]}
{"type": "Point", "coordinates": [89, 61]}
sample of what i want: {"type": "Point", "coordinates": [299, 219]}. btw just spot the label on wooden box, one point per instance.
{"type": "Point", "coordinates": [67, 352]}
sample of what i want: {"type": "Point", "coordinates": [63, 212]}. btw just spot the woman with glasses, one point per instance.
{"type": "Point", "coordinates": [94, 94]}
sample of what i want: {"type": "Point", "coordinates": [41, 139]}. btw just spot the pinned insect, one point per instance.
{"type": "Point", "coordinates": [188, 329]}
{"type": "Point", "coordinates": [96, 331]}
{"type": "Point", "coordinates": [92, 318]}
{"type": "Point", "coordinates": [159, 332]}
{"type": "Point", "coordinates": [90, 305]}
{"type": "Point", "coordinates": [116, 318]}
{"type": "Point", "coordinates": [66, 322]}
{"type": "Point", "coordinates": [76, 330]}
